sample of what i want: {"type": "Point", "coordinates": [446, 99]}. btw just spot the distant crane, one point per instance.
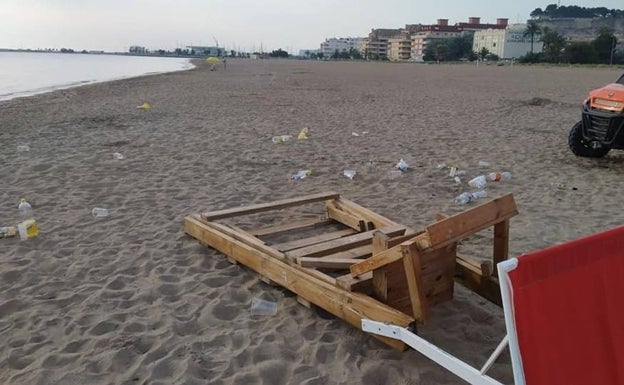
{"type": "Point", "coordinates": [217, 44]}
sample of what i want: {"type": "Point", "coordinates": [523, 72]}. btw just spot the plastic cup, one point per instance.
{"type": "Point", "coordinates": [99, 212]}
{"type": "Point", "coordinates": [263, 307]}
{"type": "Point", "coordinates": [349, 173]}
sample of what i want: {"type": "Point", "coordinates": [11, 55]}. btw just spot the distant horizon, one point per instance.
{"type": "Point", "coordinates": [240, 25]}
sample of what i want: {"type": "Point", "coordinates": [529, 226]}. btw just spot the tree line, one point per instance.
{"type": "Point", "coordinates": [554, 11]}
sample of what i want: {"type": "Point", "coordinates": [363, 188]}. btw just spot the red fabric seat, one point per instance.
{"type": "Point", "coordinates": [569, 311]}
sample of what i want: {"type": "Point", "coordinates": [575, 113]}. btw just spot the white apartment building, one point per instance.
{"type": "Point", "coordinates": [329, 46]}
{"type": "Point", "coordinates": [506, 43]}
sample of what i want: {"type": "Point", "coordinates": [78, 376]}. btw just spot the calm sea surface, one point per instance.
{"type": "Point", "coordinates": [29, 73]}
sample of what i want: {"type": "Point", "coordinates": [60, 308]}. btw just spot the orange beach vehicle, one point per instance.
{"type": "Point", "coordinates": [602, 124]}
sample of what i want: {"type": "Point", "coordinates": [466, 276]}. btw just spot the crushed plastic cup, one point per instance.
{"type": "Point", "coordinates": [262, 307]}
{"type": "Point", "coordinates": [99, 212]}
{"type": "Point", "coordinates": [478, 182]}
{"type": "Point", "coordinates": [118, 156]}
{"type": "Point", "coordinates": [7, 231]}
{"type": "Point", "coordinates": [458, 180]}
{"type": "Point", "coordinates": [402, 165]}
{"type": "Point", "coordinates": [349, 173]}
{"type": "Point", "coordinates": [303, 134]}
{"type": "Point", "coordinates": [453, 171]}
{"type": "Point", "coordinates": [23, 148]}
{"type": "Point", "coordinates": [28, 229]}
{"type": "Point", "coordinates": [281, 138]}
{"type": "Point", "coordinates": [483, 163]}
{"type": "Point", "coordinates": [355, 133]}
{"type": "Point", "coordinates": [301, 174]}
{"type": "Point", "coordinates": [144, 106]}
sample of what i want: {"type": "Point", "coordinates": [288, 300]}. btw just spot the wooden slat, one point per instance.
{"type": "Point", "coordinates": [290, 226]}
{"type": "Point", "coordinates": [303, 242]}
{"type": "Point", "coordinates": [243, 237]}
{"type": "Point", "coordinates": [486, 287]}
{"type": "Point", "coordinates": [327, 263]}
{"type": "Point", "coordinates": [276, 205]}
{"type": "Point", "coordinates": [341, 244]}
{"type": "Point", "coordinates": [363, 283]}
{"type": "Point", "coordinates": [350, 306]}
{"type": "Point", "coordinates": [345, 218]}
{"type": "Point", "coordinates": [481, 267]}
{"type": "Point", "coordinates": [461, 225]}
{"type": "Point", "coordinates": [380, 277]}
{"type": "Point", "coordinates": [501, 243]}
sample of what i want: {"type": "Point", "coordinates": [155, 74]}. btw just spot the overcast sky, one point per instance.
{"type": "Point", "coordinates": [114, 25]}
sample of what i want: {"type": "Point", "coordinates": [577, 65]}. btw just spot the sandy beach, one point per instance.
{"type": "Point", "coordinates": [131, 299]}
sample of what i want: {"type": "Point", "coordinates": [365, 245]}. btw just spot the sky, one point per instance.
{"type": "Point", "coordinates": [245, 25]}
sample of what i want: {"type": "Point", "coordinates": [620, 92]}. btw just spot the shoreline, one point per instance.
{"type": "Point", "coordinates": [191, 64]}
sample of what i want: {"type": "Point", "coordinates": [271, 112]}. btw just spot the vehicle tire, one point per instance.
{"type": "Point", "coordinates": [581, 147]}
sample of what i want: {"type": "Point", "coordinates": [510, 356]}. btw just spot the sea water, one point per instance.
{"type": "Point", "coordinates": [30, 73]}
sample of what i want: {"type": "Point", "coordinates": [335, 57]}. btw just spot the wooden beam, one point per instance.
{"type": "Point", "coordinates": [356, 253]}
{"type": "Point", "coordinates": [303, 242]}
{"type": "Point", "coordinates": [276, 205]}
{"type": "Point", "coordinates": [243, 237]}
{"type": "Point", "coordinates": [341, 244]}
{"type": "Point", "coordinates": [344, 217]}
{"type": "Point", "coordinates": [456, 227]}
{"type": "Point", "coordinates": [353, 208]}
{"type": "Point", "coordinates": [350, 306]}
{"type": "Point", "coordinates": [327, 263]}
{"type": "Point", "coordinates": [290, 226]}
{"type": "Point", "coordinates": [501, 243]}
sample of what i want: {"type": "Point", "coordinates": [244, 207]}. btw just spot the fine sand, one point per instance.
{"type": "Point", "coordinates": [131, 299]}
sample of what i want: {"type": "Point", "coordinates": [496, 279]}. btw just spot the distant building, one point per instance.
{"type": "Point", "coordinates": [342, 44]}
{"type": "Point", "coordinates": [474, 24]}
{"type": "Point", "coordinates": [399, 47]}
{"type": "Point", "coordinates": [308, 52]}
{"type": "Point", "coordinates": [428, 33]}
{"type": "Point", "coordinates": [138, 50]}
{"type": "Point", "coordinates": [206, 51]}
{"type": "Point", "coordinates": [507, 43]}
{"type": "Point", "coordinates": [376, 46]}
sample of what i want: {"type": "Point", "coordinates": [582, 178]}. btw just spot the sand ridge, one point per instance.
{"type": "Point", "coordinates": [132, 300]}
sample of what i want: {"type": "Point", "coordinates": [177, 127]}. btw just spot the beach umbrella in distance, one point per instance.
{"type": "Point", "coordinates": [212, 60]}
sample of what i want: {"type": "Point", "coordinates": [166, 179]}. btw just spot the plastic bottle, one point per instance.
{"type": "Point", "coordinates": [281, 138]}
{"type": "Point", "coordinates": [402, 165]}
{"type": "Point", "coordinates": [478, 182]}
{"type": "Point", "coordinates": [301, 174]}
{"type": "Point", "coordinates": [99, 212]}
{"type": "Point", "coordinates": [25, 209]}
{"type": "Point", "coordinates": [28, 227]}
{"type": "Point", "coordinates": [467, 197]}
{"type": "Point", "coordinates": [499, 176]}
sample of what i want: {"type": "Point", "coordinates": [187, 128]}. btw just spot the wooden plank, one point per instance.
{"type": "Point", "coordinates": [350, 306]}
{"type": "Point", "coordinates": [303, 242]}
{"type": "Point", "coordinates": [345, 218]}
{"type": "Point", "coordinates": [501, 243]}
{"type": "Point", "coordinates": [290, 226]}
{"type": "Point", "coordinates": [261, 207]}
{"type": "Point", "coordinates": [341, 244]}
{"type": "Point", "coordinates": [411, 265]}
{"type": "Point", "coordinates": [377, 260]}
{"type": "Point", "coordinates": [356, 253]}
{"type": "Point", "coordinates": [326, 263]}
{"type": "Point", "coordinates": [380, 278]}
{"type": "Point", "coordinates": [461, 225]}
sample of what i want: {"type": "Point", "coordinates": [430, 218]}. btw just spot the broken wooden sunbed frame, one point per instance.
{"type": "Point", "coordinates": [371, 268]}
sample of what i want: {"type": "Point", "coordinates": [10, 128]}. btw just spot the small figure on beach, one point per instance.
{"type": "Point", "coordinates": [224, 63]}
{"type": "Point", "coordinates": [212, 67]}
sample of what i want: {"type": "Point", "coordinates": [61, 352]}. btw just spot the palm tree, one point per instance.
{"type": "Point", "coordinates": [531, 30]}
